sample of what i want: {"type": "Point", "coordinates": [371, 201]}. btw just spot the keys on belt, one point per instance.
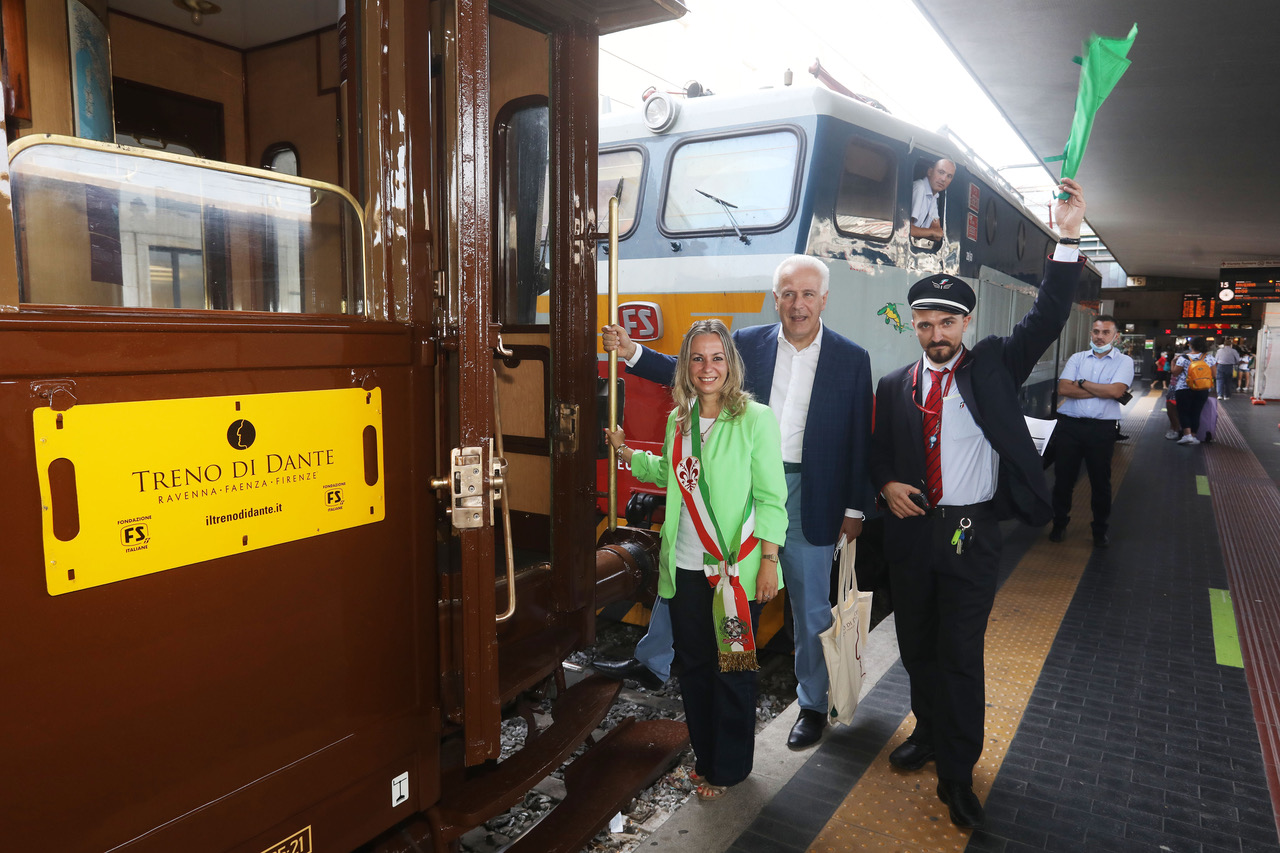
{"type": "Point", "coordinates": [961, 538]}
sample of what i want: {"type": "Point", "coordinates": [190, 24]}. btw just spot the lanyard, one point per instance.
{"type": "Point", "coordinates": [946, 390]}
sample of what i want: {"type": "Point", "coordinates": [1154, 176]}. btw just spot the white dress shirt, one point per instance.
{"type": "Point", "coordinates": [924, 203]}
{"type": "Point", "coordinates": [969, 462]}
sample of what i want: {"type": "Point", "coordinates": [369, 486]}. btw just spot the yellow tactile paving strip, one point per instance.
{"type": "Point", "coordinates": [891, 810]}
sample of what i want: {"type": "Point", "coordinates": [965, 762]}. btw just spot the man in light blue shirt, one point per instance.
{"type": "Point", "coordinates": [1090, 390]}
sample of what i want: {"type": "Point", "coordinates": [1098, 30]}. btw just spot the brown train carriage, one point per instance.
{"type": "Point", "coordinates": [267, 296]}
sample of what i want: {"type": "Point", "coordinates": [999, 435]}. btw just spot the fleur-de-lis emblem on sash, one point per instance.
{"type": "Point", "coordinates": [687, 473]}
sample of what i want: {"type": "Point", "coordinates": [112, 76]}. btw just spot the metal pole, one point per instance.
{"type": "Point", "coordinates": [613, 361]}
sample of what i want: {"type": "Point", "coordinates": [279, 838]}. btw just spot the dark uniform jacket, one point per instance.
{"type": "Point", "coordinates": [988, 379]}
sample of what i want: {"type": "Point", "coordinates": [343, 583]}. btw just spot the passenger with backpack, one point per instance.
{"type": "Point", "coordinates": [1193, 380]}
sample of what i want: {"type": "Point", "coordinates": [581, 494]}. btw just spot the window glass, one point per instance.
{"type": "Point", "coordinates": [115, 228]}
{"type": "Point", "coordinates": [282, 159]}
{"type": "Point", "coordinates": [868, 191]}
{"type": "Point", "coordinates": [622, 168]}
{"type": "Point", "coordinates": [748, 180]}
{"type": "Point", "coordinates": [522, 162]}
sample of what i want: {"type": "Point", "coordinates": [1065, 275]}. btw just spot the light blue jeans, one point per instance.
{"type": "Point", "coordinates": [806, 571]}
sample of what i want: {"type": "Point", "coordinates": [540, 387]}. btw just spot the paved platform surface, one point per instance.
{"type": "Point", "coordinates": [1111, 722]}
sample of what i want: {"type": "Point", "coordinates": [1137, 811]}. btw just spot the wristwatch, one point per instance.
{"type": "Point", "coordinates": [770, 557]}
{"type": "Point", "coordinates": [1080, 382]}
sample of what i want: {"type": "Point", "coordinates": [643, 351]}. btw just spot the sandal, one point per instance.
{"type": "Point", "coordinates": [707, 791]}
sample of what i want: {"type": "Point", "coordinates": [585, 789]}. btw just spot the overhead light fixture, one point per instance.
{"type": "Point", "coordinates": [198, 9]}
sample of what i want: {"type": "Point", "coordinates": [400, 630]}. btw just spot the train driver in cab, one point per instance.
{"type": "Point", "coordinates": [925, 220]}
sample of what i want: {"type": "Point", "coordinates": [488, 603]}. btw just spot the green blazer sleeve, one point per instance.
{"type": "Point", "coordinates": [768, 482]}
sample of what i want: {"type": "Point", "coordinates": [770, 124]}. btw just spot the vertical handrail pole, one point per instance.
{"type": "Point", "coordinates": [613, 361]}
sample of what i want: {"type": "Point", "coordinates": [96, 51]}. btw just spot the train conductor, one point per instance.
{"type": "Point", "coordinates": [951, 457]}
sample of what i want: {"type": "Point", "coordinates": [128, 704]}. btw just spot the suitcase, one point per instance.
{"type": "Point", "coordinates": [1208, 420]}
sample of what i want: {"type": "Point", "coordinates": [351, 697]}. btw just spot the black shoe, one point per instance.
{"type": "Point", "coordinates": [632, 670]}
{"type": "Point", "coordinates": [963, 804]}
{"type": "Point", "coordinates": [1057, 533]}
{"type": "Point", "coordinates": [1101, 540]}
{"type": "Point", "coordinates": [911, 756]}
{"type": "Point", "coordinates": [808, 729]}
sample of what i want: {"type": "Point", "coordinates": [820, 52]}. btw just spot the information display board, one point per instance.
{"type": "Point", "coordinates": [128, 489]}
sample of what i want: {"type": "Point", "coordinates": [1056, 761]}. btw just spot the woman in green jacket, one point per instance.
{"type": "Point", "coordinates": [726, 517]}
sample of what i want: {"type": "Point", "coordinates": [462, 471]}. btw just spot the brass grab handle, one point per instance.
{"type": "Point", "coordinates": [613, 361]}
{"type": "Point", "coordinates": [498, 487]}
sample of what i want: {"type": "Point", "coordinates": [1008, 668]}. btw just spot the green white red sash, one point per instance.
{"type": "Point", "coordinates": [730, 609]}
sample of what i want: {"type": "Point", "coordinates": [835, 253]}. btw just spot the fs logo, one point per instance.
{"type": "Point", "coordinates": [134, 534]}
{"type": "Point", "coordinates": [333, 498]}
{"type": "Point", "coordinates": [642, 320]}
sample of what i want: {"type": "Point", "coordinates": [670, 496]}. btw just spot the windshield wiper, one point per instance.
{"type": "Point", "coordinates": [729, 213]}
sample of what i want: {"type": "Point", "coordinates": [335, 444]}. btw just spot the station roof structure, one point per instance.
{"type": "Point", "coordinates": [1178, 169]}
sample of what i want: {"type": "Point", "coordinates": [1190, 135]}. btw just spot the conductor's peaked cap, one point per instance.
{"type": "Point", "coordinates": [942, 292]}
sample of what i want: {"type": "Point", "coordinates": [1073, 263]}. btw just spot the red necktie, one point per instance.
{"type": "Point", "coordinates": [933, 438]}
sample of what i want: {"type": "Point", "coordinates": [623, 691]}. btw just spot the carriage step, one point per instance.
{"type": "Point", "coordinates": [576, 714]}
{"type": "Point", "coordinates": [625, 762]}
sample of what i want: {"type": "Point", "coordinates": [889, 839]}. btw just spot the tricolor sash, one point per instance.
{"type": "Point", "coordinates": [731, 613]}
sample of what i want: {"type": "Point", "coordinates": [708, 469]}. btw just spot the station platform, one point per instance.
{"type": "Point", "coordinates": [1133, 692]}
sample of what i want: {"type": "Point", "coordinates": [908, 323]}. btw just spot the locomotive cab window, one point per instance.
{"type": "Point", "coordinates": [927, 207]}
{"type": "Point", "coordinates": [732, 184]}
{"type": "Point", "coordinates": [868, 191]}
{"type": "Point", "coordinates": [620, 172]}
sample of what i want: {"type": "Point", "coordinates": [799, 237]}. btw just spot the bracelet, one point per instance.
{"type": "Point", "coordinates": [1069, 241]}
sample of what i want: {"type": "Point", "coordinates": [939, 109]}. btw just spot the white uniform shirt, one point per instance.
{"type": "Point", "coordinates": [969, 462]}
{"type": "Point", "coordinates": [1113, 367]}
{"type": "Point", "coordinates": [924, 203]}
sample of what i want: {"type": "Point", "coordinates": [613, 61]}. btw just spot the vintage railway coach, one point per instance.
{"type": "Point", "coordinates": [294, 511]}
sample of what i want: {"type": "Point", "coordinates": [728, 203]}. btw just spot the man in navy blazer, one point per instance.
{"type": "Point", "coordinates": [952, 457]}
{"type": "Point", "coordinates": [818, 383]}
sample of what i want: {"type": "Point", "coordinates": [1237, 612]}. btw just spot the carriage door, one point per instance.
{"type": "Point", "coordinates": [515, 330]}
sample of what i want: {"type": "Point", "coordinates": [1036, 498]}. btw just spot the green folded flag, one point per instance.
{"type": "Point", "coordinates": [1104, 62]}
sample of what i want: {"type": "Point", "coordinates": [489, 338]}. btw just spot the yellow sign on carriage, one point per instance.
{"type": "Point", "coordinates": [128, 489]}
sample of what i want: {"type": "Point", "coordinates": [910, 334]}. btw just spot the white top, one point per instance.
{"type": "Point", "coordinates": [689, 548]}
{"type": "Point", "coordinates": [924, 203]}
{"type": "Point", "coordinates": [969, 462]}
{"type": "Point", "coordinates": [1227, 355]}
{"type": "Point", "coordinates": [1115, 366]}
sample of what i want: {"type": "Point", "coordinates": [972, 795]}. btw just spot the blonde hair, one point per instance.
{"type": "Point", "coordinates": [733, 399]}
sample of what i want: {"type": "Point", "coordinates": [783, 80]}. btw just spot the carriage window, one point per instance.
{"type": "Point", "coordinates": [523, 251]}
{"type": "Point", "coordinates": [620, 170]}
{"type": "Point", "coordinates": [111, 227]}
{"type": "Point", "coordinates": [743, 181]}
{"type": "Point", "coordinates": [867, 193]}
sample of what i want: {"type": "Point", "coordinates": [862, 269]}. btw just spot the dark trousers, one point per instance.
{"type": "Point", "coordinates": [941, 601]}
{"type": "Point", "coordinates": [719, 707]}
{"type": "Point", "coordinates": [1090, 441]}
{"type": "Point", "coordinates": [1190, 405]}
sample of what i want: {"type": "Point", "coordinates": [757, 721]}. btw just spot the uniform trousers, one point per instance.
{"type": "Point", "coordinates": [1091, 441]}
{"type": "Point", "coordinates": [719, 707]}
{"type": "Point", "coordinates": [941, 601]}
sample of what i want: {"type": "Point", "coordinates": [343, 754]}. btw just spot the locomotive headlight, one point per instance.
{"type": "Point", "coordinates": [660, 112]}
